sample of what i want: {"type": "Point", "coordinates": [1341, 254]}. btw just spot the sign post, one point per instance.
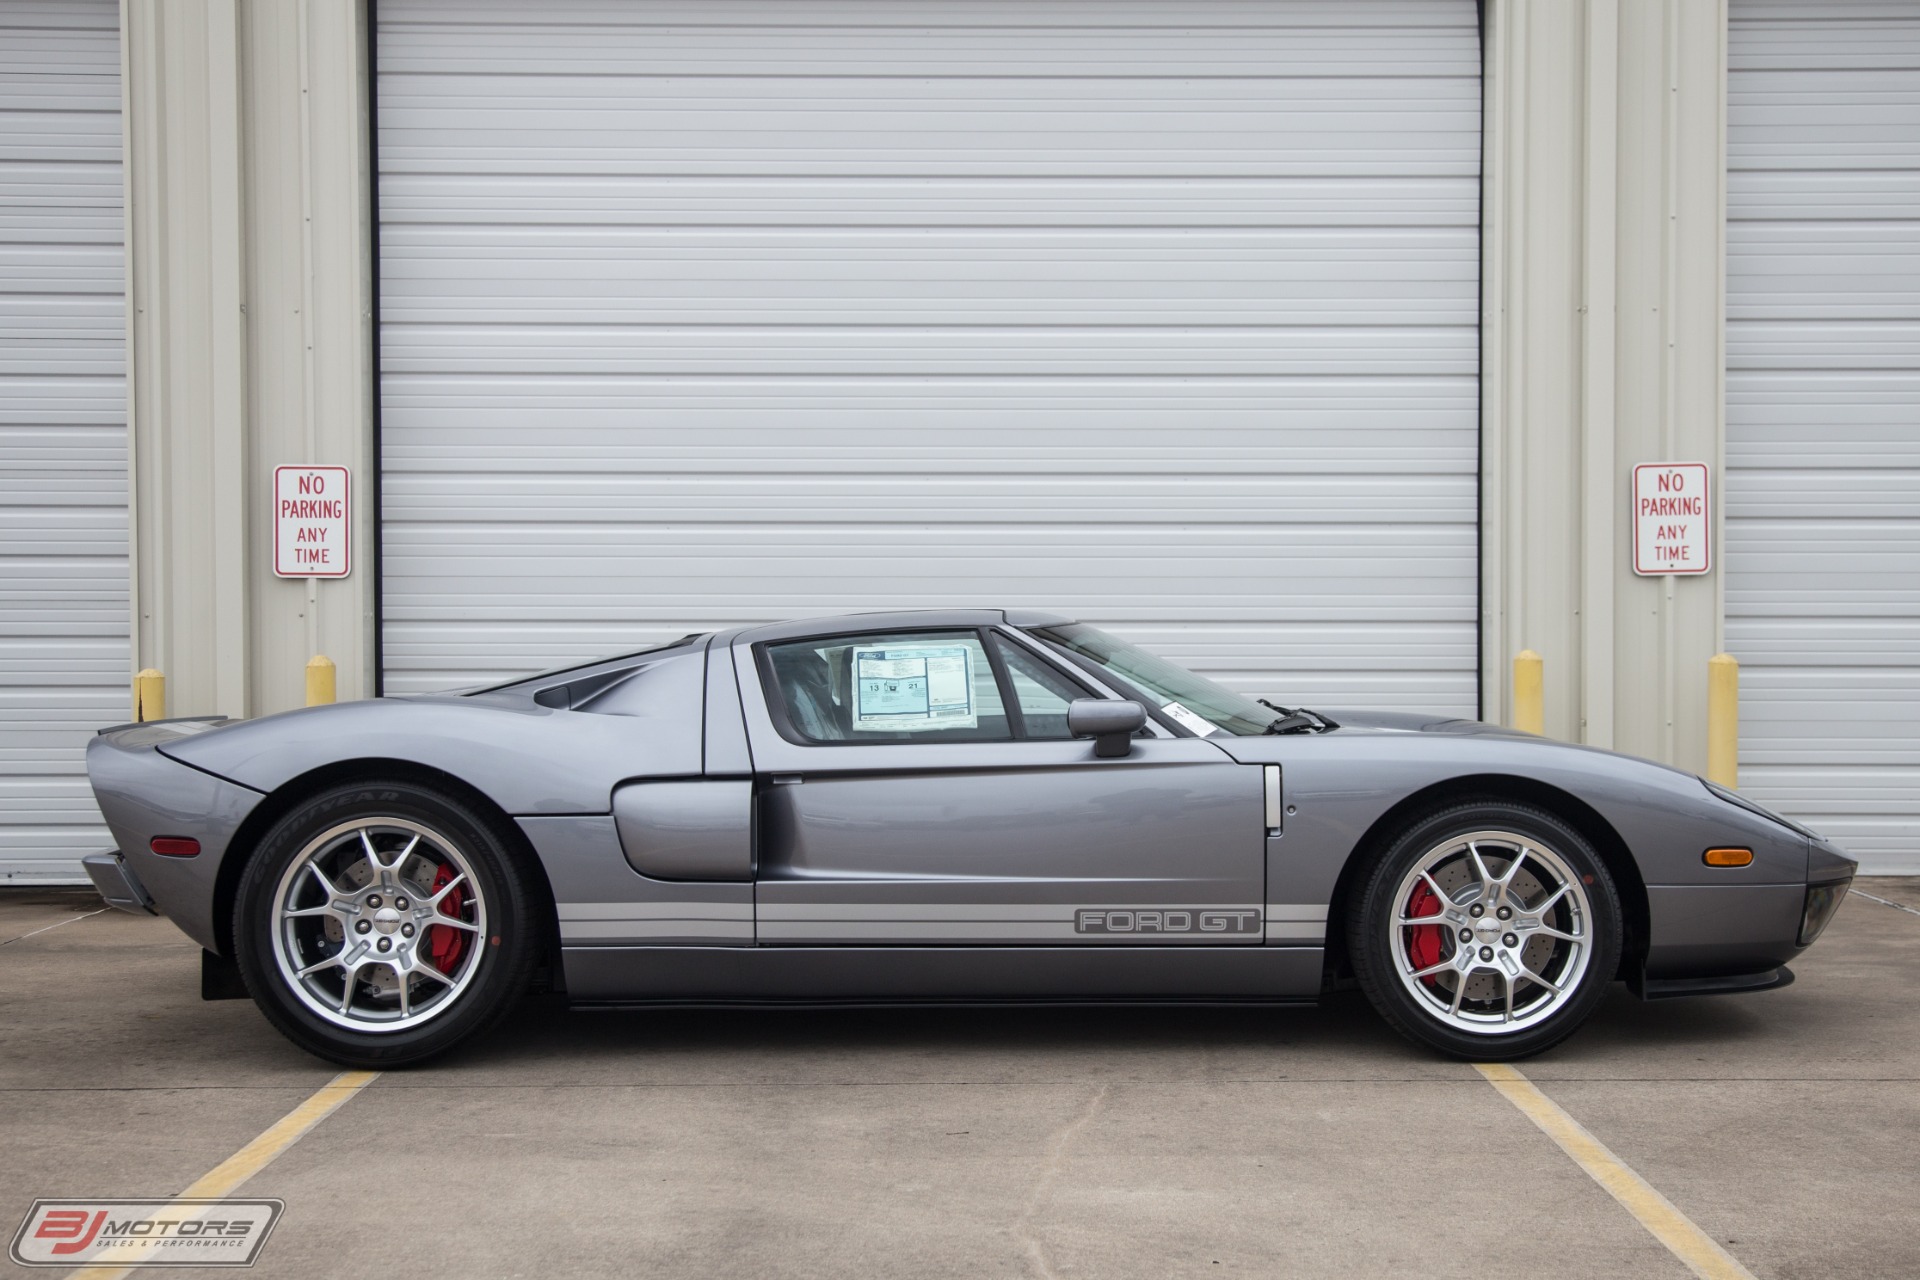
{"type": "Point", "coordinates": [1672, 519]}
{"type": "Point", "coordinates": [311, 519]}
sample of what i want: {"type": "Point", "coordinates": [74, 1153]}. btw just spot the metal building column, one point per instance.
{"type": "Point", "coordinates": [186, 348]}
{"type": "Point", "coordinates": [1602, 333]}
{"type": "Point", "coordinates": [250, 315]}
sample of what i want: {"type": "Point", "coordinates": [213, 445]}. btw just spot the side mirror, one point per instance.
{"type": "Point", "coordinates": [1111, 724]}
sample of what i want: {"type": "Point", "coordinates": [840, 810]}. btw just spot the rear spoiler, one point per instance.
{"type": "Point", "coordinates": [205, 722]}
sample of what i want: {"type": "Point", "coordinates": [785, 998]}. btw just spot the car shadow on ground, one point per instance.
{"type": "Point", "coordinates": [1335, 1038]}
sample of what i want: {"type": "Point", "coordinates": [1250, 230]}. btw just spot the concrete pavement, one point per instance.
{"type": "Point", "coordinates": [985, 1142]}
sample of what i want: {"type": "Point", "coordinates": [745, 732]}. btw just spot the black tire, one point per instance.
{"type": "Point", "coordinates": [1373, 930]}
{"type": "Point", "coordinates": [500, 968]}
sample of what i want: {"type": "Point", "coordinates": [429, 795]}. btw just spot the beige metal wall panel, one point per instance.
{"type": "Point", "coordinates": [1161, 315]}
{"type": "Point", "coordinates": [251, 270]}
{"type": "Point", "coordinates": [63, 456]}
{"type": "Point", "coordinates": [1601, 340]}
{"type": "Point", "coordinates": [309, 327]}
{"type": "Point", "coordinates": [188, 338]}
{"type": "Point", "coordinates": [1823, 405]}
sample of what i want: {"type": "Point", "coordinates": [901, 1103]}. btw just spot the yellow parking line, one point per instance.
{"type": "Point", "coordinates": [1672, 1228]}
{"type": "Point", "coordinates": [229, 1174]}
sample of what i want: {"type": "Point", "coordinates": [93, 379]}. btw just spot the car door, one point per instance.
{"type": "Point", "coordinates": [919, 787]}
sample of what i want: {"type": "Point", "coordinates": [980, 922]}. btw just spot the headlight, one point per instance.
{"type": "Point", "coordinates": [1822, 901]}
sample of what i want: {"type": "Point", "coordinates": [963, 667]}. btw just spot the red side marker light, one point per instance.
{"type": "Point", "coordinates": [174, 846]}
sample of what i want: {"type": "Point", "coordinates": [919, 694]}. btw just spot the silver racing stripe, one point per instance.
{"type": "Point", "coordinates": [914, 911]}
{"type": "Point", "coordinates": [1292, 924]}
{"type": "Point", "coordinates": [656, 910]}
{"type": "Point", "coordinates": [992, 922]}
{"type": "Point", "coordinates": [1297, 923]}
{"type": "Point", "coordinates": [615, 922]}
{"type": "Point", "coordinates": [576, 932]}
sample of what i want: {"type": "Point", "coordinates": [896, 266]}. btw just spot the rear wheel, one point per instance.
{"type": "Point", "coordinates": [381, 924]}
{"type": "Point", "coordinates": [1487, 931]}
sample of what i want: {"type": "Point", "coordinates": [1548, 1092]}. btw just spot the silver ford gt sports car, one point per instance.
{"type": "Point", "coordinates": [964, 804]}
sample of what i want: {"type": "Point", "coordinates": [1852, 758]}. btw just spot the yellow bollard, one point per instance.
{"type": "Point", "coordinates": [320, 683]}
{"type": "Point", "coordinates": [150, 695]}
{"type": "Point", "coordinates": [1723, 720]}
{"type": "Point", "coordinates": [1529, 695]}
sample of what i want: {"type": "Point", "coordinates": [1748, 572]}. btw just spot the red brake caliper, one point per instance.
{"type": "Point", "coordinates": [445, 944]}
{"type": "Point", "coordinates": [1424, 942]}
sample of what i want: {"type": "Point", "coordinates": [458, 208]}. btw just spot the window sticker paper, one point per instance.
{"type": "Point", "coordinates": [913, 687]}
{"type": "Point", "coordinates": [1178, 713]}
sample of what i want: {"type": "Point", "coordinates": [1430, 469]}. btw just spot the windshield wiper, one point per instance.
{"type": "Point", "coordinates": [1296, 719]}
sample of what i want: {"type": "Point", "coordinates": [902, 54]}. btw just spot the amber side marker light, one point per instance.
{"type": "Point", "coordinates": [174, 846]}
{"type": "Point", "coordinates": [1728, 857]}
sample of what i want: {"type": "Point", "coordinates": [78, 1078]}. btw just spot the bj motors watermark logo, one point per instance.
{"type": "Point", "coordinates": [144, 1233]}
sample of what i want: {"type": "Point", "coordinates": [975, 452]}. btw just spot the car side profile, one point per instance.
{"type": "Point", "coordinates": [965, 804]}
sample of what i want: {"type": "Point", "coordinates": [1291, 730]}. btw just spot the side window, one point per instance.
{"type": "Point", "coordinates": [925, 686]}
{"type": "Point", "coordinates": [1042, 692]}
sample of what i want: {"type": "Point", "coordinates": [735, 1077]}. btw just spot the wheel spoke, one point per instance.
{"type": "Point", "coordinates": [333, 891]}
{"type": "Point", "coordinates": [403, 981]}
{"type": "Point", "coordinates": [1512, 982]}
{"type": "Point", "coordinates": [1531, 976]}
{"type": "Point", "coordinates": [326, 963]}
{"type": "Point", "coordinates": [1552, 898]}
{"type": "Point", "coordinates": [1513, 868]}
{"type": "Point", "coordinates": [353, 980]}
{"type": "Point", "coordinates": [1551, 932]}
{"type": "Point", "coordinates": [1480, 870]}
{"type": "Point", "coordinates": [1459, 994]}
{"type": "Point", "coordinates": [389, 866]}
{"type": "Point", "coordinates": [1432, 969]}
{"type": "Point", "coordinates": [445, 889]}
{"type": "Point", "coordinates": [451, 923]}
{"type": "Point", "coordinates": [308, 911]}
{"type": "Point", "coordinates": [429, 971]}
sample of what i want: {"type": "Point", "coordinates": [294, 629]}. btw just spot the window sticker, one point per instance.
{"type": "Point", "coordinates": [913, 687]}
{"type": "Point", "coordinates": [1178, 713]}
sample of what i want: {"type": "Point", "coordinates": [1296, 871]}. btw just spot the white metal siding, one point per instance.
{"type": "Point", "coordinates": [1823, 415]}
{"type": "Point", "coordinates": [63, 434]}
{"type": "Point", "coordinates": [1162, 315]}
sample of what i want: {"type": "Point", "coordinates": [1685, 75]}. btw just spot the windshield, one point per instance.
{"type": "Point", "coordinates": [1191, 701]}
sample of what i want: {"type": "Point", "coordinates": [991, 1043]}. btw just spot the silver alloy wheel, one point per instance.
{"type": "Point", "coordinates": [1491, 932]}
{"type": "Point", "coordinates": [378, 924]}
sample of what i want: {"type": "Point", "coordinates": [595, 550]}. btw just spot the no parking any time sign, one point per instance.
{"type": "Point", "coordinates": [311, 506]}
{"type": "Point", "coordinates": [1671, 518]}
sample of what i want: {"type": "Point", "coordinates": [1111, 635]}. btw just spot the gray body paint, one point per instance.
{"type": "Point", "coordinates": [694, 851]}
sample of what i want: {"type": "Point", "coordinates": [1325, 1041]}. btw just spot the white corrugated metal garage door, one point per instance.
{"type": "Point", "coordinates": [1823, 415]}
{"type": "Point", "coordinates": [1163, 315]}
{"type": "Point", "coordinates": [63, 426]}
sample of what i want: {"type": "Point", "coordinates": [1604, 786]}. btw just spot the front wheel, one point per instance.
{"type": "Point", "coordinates": [380, 924]}
{"type": "Point", "coordinates": [1489, 931]}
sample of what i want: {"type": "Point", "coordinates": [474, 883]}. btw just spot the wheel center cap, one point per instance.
{"type": "Point", "coordinates": [1486, 928]}
{"type": "Point", "coordinates": [386, 919]}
